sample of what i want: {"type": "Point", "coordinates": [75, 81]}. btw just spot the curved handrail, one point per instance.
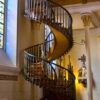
{"type": "Point", "coordinates": [48, 36]}
{"type": "Point", "coordinates": [70, 26]}
{"type": "Point", "coordinates": [57, 81]}
{"type": "Point", "coordinates": [32, 56]}
{"type": "Point", "coordinates": [42, 10]}
{"type": "Point", "coordinates": [50, 63]}
{"type": "Point", "coordinates": [52, 14]}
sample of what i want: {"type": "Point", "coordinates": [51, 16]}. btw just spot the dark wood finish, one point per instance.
{"type": "Point", "coordinates": [70, 2]}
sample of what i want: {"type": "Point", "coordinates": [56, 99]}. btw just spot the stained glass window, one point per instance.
{"type": "Point", "coordinates": [1, 22]}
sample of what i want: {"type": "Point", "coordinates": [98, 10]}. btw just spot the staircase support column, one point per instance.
{"type": "Point", "coordinates": [86, 20]}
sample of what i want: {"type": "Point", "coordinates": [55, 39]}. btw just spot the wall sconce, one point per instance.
{"type": "Point", "coordinates": [82, 72]}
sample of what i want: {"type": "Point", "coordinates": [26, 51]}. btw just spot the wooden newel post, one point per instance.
{"type": "Point", "coordinates": [86, 20]}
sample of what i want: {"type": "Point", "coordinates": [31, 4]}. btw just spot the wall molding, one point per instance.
{"type": "Point", "coordinates": [9, 70]}
{"type": "Point", "coordinates": [8, 77]}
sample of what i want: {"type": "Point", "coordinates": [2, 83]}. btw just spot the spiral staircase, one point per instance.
{"type": "Point", "coordinates": [57, 81]}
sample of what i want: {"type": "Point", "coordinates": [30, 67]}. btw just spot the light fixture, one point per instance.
{"type": "Point", "coordinates": [82, 72]}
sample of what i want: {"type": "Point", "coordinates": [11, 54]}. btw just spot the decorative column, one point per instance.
{"type": "Point", "coordinates": [86, 20]}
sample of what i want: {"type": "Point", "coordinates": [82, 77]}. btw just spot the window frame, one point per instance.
{"type": "Point", "coordinates": [4, 3]}
{"type": "Point", "coordinates": [8, 68]}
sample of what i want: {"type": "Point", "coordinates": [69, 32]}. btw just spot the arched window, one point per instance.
{"type": "Point", "coordinates": [2, 4]}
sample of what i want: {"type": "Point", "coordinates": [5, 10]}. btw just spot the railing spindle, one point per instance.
{"type": "Point", "coordinates": [57, 14]}
{"type": "Point", "coordinates": [63, 18]}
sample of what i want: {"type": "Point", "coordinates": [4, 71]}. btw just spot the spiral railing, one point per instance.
{"type": "Point", "coordinates": [47, 74]}
{"type": "Point", "coordinates": [39, 67]}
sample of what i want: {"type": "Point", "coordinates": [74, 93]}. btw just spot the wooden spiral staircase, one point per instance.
{"type": "Point", "coordinates": [39, 66]}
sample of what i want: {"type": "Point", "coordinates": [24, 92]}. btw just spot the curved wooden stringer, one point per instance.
{"type": "Point", "coordinates": [60, 47]}
{"type": "Point", "coordinates": [39, 67]}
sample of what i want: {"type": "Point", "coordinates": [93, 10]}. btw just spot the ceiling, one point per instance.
{"type": "Point", "coordinates": [70, 2]}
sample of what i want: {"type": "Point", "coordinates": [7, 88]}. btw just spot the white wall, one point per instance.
{"type": "Point", "coordinates": [95, 53]}
{"type": "Point", "coordinates": [15, 90]}
{"type": "Point", "coordinates": [77, 51]}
